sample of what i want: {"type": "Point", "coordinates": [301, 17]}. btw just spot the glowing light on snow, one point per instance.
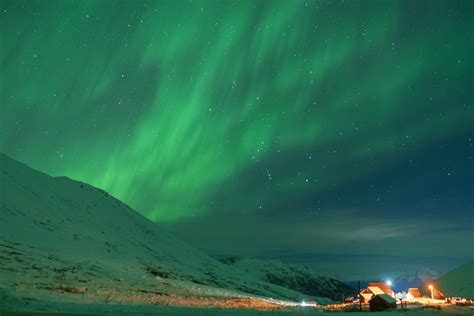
{"type": "Point", "coordinates": [389, 282]}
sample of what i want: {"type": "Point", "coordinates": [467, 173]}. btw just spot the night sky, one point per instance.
{"type": "Point", "coordinates": [274, 128]}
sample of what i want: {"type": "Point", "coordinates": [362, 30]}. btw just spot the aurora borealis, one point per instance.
{"type": "Point", "coordinates": [257, 121]}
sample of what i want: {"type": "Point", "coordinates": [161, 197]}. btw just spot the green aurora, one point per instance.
{"type": "Point", "coordinates": [188, 109]}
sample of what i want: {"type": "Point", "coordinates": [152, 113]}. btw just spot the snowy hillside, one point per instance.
{"type": "Point", "coordinates": [63, 240]}
{"type": "Point", "coordinates": [300, 278]}
{"type": "Point", "coordinates": [458, 282]}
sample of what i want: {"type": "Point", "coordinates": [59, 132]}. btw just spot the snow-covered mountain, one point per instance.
{"type": "Point", "coordinates": [297, 277]}
{"type": "Point", "coordinates": [63, 240]}
{"type": "Point", "coordinates": [458, 282]}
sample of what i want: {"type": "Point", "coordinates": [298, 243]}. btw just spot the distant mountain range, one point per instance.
{"type": "Point", "coordinates": [404, 280]}
{"type": "Point", "coordinates": [297, 277]}
{"type": "Point", "coordinates": [65, 241]}
{"type": "Point", "coordinates": [401, 281]}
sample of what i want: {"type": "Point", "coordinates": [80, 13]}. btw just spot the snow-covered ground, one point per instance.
{"type": "Point", "coordinates": [66, 241]}
{"type": "Point", "coordinates": [120, 310]}
{"type": "Point", "coordinates": [298, 277]}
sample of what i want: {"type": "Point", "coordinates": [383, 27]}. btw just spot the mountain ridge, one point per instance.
{"type": "Point", "coordinates": [62, 239]}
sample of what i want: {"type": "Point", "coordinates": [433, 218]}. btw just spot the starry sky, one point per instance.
{"type": "Point", "coordinates": [274, 128]}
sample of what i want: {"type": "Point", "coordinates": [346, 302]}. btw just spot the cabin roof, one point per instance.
{"type": "Point", "coordinates": [414, 291]}
{"type": "Point", "coordinates": [383, 286]}
{"type": "Point", "coordinates": [376, 290]}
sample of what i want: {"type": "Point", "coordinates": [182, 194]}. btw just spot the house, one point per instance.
{"type": "Point", "coordinates": [373, 289]}
{"type": "Point", "coordinates": [349, 299]}
{"type": "Point", "coordinates": [382, 302]}
{"type": "Point", "coordinates": [437, 294]}
{"type": "Point", "coordinates": [432, 291]}
{"type": "Point", "coordinates": [413, 292]}
{"type": "Point", "coordinates": [366, 294]}
{"type": "Point", "coordinates": [383, 286]}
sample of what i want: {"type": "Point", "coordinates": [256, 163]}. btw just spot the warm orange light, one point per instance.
{"type": "Point", "coordinates": [431, 288]}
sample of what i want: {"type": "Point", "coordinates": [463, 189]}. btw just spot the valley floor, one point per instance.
{"type": "Point", "coordinates": [44, 309]}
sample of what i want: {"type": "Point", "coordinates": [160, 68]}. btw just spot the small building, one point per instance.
{"type": "Point", "coordinates": [383, 286]}
{"type": "Point", "coordinates": [414, 292]}
{"type": "Point", "coordinates": [365, 295]}
{"type": "Point", "coordinates": [374, 289]}
{"type": "Point", "coordinates": [349, 299]}
{"type": "Point", "coordinates": [432, 291]}
{"type": "Point", "coordinates": [382, 302]}
{"type": "Point", "coordinates": [437, 294]}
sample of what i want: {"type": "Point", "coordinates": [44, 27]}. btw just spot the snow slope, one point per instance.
{"type": "Point", "coordinates": [63, 240]}
{"type": "Point", "coordinates": [458, 282]}
{"type": "Point", "coordinates": [298, 277]}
